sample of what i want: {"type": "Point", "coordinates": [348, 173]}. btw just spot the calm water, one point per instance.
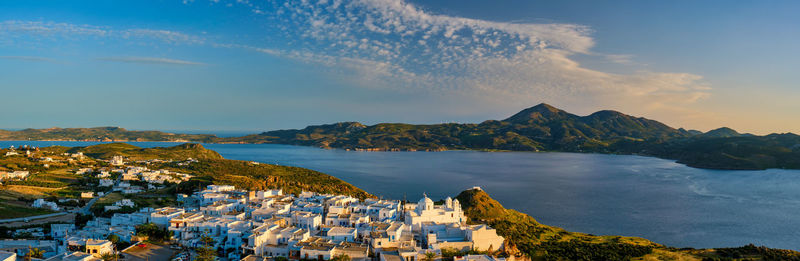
{"type": "Point", "coordinates": [600, 194]}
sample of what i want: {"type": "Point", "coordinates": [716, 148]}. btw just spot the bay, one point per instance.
{"type": "Point", "coordinates": [657, 199]}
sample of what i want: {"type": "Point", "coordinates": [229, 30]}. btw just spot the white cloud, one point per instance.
{"type": "Point", "coordinates": [149, 60]}
{"type": "Point", "coordinates": [394, 44]}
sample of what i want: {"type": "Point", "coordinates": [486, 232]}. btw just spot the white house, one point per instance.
{"type": "Point", "coordinates": [342, 234]}
{"type": "Point", "coordinates": [124, 203]}
{"type": "Point", "coordinates": [106, 183]}
{"type": "Point", "coordinates": [41, 203]}
{"type": "Point", "coordinates": [307, 220]}
{"type": "Point", "coordinates": [99, 247]}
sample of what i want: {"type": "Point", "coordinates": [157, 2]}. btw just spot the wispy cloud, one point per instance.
{"type": "Point", "coordinates": [619, 58]}
{"type": "Point", "coordinates": [21, 32]}
{"type": "Point", "coordinates": [28, 58]}
{"type": "Point", "coordinates": [149, 60]}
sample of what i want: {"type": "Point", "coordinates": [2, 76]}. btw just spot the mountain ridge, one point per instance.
{"type": "Point", "coordinates": [537, 128]}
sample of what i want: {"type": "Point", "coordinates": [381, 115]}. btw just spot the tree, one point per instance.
{"type": "Point", "coordinates": [153, 232]}
{"type": "Point", "coordinates": [342, 257]}
{"type": "Point", "coordinates": [206, 252]}
{"type": "Point", "coordinates": [108, 256]}
{"type": "Point", "coordinates": [430, 256]}
{"type": "Point", "coordinates": [34, 253]}
{"type": "Point", "coordinates": [113, 238]}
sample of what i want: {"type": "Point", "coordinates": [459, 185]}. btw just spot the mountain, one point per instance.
{"type": "Point", "coordinates": [538, 128]}
{"type": "Point", "coordinates": [723, 132]}
{"type": "Point", "coordinates": [542, 127]}
{"type": "Point", "coordinates": [546, 128]}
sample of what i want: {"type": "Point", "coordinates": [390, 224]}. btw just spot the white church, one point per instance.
{"type": "Point", "coordinates": [426, 211]}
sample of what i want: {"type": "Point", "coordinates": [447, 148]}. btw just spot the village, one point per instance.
{"type": "Point", "coordinates": [247, 225]}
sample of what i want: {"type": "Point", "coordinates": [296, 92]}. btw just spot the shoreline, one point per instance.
{"type": "Point", "coordinates": [401, 150]}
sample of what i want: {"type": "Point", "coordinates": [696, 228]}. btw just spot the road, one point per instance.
{"type": "Point", "coordinates": [86, 209]}
{"type": "Point", "coordinates": [22, 219]}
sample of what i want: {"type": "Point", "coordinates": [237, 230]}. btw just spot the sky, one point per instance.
{"type": "Point", "coordinates": [248, 65]}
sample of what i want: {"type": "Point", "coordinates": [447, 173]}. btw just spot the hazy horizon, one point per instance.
{"type": "Point", "coordinates": [241, 132]}
{"type": "Point", "coordinates": [256, 66]}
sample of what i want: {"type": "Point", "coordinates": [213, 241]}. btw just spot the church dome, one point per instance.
{"type": "Point", "coordinates": [424, 204]}
{"type": "Point", "coordinates": [425, 201]}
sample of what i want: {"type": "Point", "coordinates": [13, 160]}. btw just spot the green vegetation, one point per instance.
{"type": "Point", "coordinates": [733, 152]}
{"type": "Point", "coordinates": [153, 233]}
{"type": "Point", "coordinates": [751, 252]}
{"type": "Point", "coordinates": [131, 152]}
{"type": "Point", "coordinates": [206, 252]}
{"type": "Point", "coordinates": [342, 257]}
{"type": "Point", "coordinates": [34, 253]}
{"type": "Point", "coordinates": [525, 236]}
{"type": "Point", "coordinates": [17, 211]}
{"type": "Point", "coordinates": [247, 175]}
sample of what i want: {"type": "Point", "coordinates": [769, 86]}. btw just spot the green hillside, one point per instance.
{"type": "Point", "coordinates": [527, 237]}
{"type": "Point", "coordinates": [258, 176]}
{"type": "Point", "coordinates": [131, 152]}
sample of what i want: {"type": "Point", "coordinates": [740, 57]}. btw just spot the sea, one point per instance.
{"type": "Point", "coordinates": [657, 199]}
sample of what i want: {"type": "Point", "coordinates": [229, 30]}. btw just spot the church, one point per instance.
{"type": "Point", "coordinates": [425, 211]}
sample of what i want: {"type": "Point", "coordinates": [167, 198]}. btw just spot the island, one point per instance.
{"type": "Point", "coordinates": [539, 128]}
{"type": "Point", "coordinates": [116, 200]}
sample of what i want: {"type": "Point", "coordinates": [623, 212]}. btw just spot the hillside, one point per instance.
{"type": "Point", "coordinates": [257, 176]}
{"type": "Point", "coordinates": [737, 152]}
{"type": "Point", "coordinates": [100, 134]}
{"type": "Point", "coordinates": [131, 152]}
{"type": "Point", "coordinates": [525, 236]}
{"type": "Point", "coordinates": [539, 128]}
{"type": "Point", "coordinates": [213, 168]}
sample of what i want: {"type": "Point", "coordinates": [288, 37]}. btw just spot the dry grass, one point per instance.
{"type": "Point", "coordinates": [29, 191]}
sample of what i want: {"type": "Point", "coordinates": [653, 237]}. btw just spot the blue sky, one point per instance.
{"type": "Point", "coordinates": [262, 65]}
